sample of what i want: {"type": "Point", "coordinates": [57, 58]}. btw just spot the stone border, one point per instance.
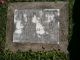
{"type": "Point", "coordinates": [35, 46]}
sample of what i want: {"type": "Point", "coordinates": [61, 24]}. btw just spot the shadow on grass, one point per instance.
{"type": "Point", "coordinates": [73, 47]}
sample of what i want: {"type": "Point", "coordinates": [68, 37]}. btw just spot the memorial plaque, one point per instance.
{"type": "Point", "coordinates": [36, 26]}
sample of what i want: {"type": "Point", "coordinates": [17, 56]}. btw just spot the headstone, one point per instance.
{"type": "Point", "coordinates": [34, 25]}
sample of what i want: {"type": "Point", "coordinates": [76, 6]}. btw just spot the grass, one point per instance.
{"type": "Point", "coordinates": [3, 20]}
{"type": "Point", "coordinates": [34, 0]}
{"type": "Point", "coordinates": [28, 55]}
{"type": "Point", "coordinates": [70, 6]}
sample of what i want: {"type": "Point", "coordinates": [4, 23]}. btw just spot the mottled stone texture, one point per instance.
{"type": "Point", "coordinates": [37, 26]}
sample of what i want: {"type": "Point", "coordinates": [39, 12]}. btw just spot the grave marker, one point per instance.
{"type": "Point", "coordinates": [34, 25]}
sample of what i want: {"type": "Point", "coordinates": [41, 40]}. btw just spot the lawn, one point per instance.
{"type": "Point", "coordinates": [28, 55]}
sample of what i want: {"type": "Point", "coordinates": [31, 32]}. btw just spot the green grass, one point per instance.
{"type": "Point", "coordinates": [70, 6]}
{"type": "Point", "coordinates": [29, 55]}
{"type": "Point", "coordinates": [34, 0]}
{"type": "Point", "coordinates": [3, 20]}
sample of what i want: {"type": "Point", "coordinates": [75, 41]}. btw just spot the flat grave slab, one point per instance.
{"type": "Point", "coordinates": [37, 26]}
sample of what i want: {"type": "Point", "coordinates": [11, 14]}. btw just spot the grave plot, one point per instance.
{"type": "Point", "coordinates": [37, 26]}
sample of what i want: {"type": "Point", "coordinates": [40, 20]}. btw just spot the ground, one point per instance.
{"type": "Point", "coordinates": [29, 55]}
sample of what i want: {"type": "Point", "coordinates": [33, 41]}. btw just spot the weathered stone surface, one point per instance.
{"type": "Point", "coordinates": [37, 25]}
